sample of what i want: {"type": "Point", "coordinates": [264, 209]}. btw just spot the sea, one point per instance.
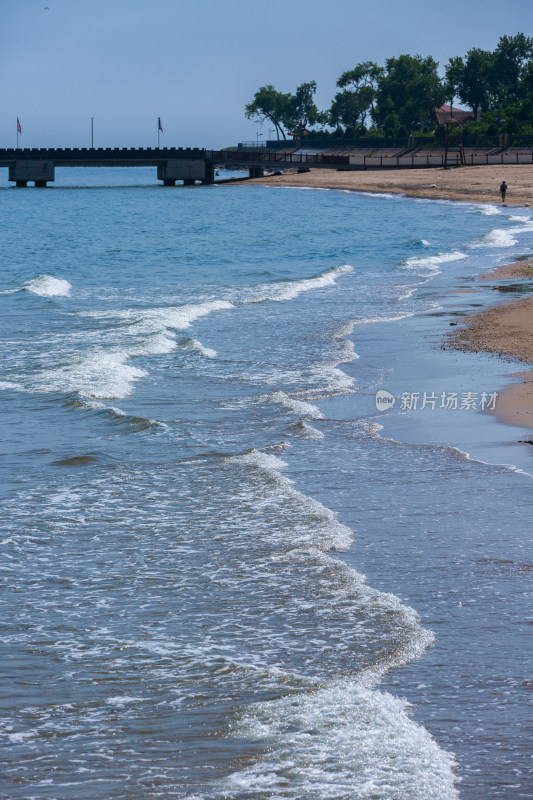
{"type": "Point", "coordinates": [262, 536]}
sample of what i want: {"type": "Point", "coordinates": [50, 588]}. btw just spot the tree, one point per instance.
{"type": "Point", "coordinates": [301, 110]}
{"type": "Point", "coordinates": [411, 89]}
{"type": "Point", "coordinates": [470, 78]}
{"type": "Point", "coordinates": [352, 106]}
{"type": "Point", "coordinates": [511, 61]}
{"type": "Point", "coordinates": [269, 104]}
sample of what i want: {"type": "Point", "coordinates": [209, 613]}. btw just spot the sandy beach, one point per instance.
{"type": "Point", "coordinates": [470, 184]}
{"type": "Point", "coordinates": [507, 329]}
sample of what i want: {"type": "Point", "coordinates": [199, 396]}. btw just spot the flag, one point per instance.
{"type": "Point", "coordinates": [19, 129]}
{"type": "Point", "coordinates": [159, 126]}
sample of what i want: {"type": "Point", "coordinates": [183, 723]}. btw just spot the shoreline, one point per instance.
{"type": "Point", "coordinates": [478, 184]}
{"type": "Point", "coordinates": [505, 329]}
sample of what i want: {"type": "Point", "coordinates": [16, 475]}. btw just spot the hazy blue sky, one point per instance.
{"type": "Point", "coordinates": [196, 63]}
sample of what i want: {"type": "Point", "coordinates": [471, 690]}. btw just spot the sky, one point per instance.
{"type": "Point", "coordinates": [196, 63]}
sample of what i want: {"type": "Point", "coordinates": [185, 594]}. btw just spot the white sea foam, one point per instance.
{"type": "Point", "coordinates": [294, 406]}
{"type": "Point", "coordinates": [386, 195]}
{"type": "Point", "coordinates": [429, 265]}
{"type": "Point", "coordinates": [105, 373]}
{"type": "Point", "coordinates": [21, 736]}
{"type": "Point", "coordinates": [7, 385]}
{"type": "Point", "coordinates": [48, 286]}
{"type": "Point", "coordinates": [123, 700]}
{"type": "Point", "coordinates": [523, 219]}
{"type": "Point", "coordinates": [180, 317]}
{"type": "Point", "coordinates": [288, 290]}
{"type": "Point", "coordinates": [99, 374]}
{"type": "Point", "coordinates": [264, 461]}
{"type": "Point", "coordinates": [489, 211]}
{"type": "Point", "coordinates": [498, 237]}
{"type": "Point", "coordinates": [332, 535]}
{"type": "Point", "coordinates": [348, 327]}
{"type": "Point", "coordinates": [342, 741]}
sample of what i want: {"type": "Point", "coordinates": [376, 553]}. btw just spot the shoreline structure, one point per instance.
{"type": "Point", "coordinates": [505, 329]}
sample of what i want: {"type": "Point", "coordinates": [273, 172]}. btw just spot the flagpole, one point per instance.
{"type": "Point", "coordinates": [158, 132]}
{"type": "Point", "coordinates": [17, 133]}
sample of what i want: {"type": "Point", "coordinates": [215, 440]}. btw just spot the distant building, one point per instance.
{"type": "Point", "coordinates": [451, 115]}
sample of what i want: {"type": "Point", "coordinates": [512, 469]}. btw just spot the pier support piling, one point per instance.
{"type": "Point", "coordinates": [209, 172]}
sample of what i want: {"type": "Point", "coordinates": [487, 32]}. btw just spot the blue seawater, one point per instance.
{"type": "Point", "coordinates": [196, 477]}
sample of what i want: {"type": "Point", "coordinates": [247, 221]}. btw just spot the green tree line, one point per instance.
{"type": "Point", "coordinates": [401, 97]}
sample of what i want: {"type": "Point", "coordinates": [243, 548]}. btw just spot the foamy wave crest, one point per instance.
{"type": "Point", "coordinates": [294, 406]}
{"type": "Point", "coordinates": [342, 742]}
{"type": "Point", "coordinates": [261, 460]}
{"type": "Point", "coordinates": [157, 344]}
{"type": "Point", "coordinates": [48, 286]}
{"type": "Point", "coordinates": [523, 219]}
{"type": "Point", "coordinates": [348, 327]}
{"type": "Point", "coordinates": [429, 265]}
{"type": "Point", "coordinates": [387, 195]}
{"type": "Point", "coordinates": [331, 534]}
{"type": "Point", "coordinates": [116, 415]}
{"type": "Point", "coordinates": [181, 317]}
{"type": "Point", "coordinates": [196, 346]}
{"type": "Point", "coordinates": [302, 428]}
{"type": "Point", "coordinates": [95, 376]}
{"type": "Point", "coordinates": [7, 385]}
{"type": "Point", "coordinates": [288, 290]}
{"type": "Point", "coordinates": [157, 320]}
{"type": "Point", "coordinates": [489, 211]}
{"type": "Point", "coordinates": [499, 237]}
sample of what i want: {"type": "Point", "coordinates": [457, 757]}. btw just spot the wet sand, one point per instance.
{"type": "Point", "coordinates": [506, 330]}
{"type": "Point", "coordinates": [470, 184]}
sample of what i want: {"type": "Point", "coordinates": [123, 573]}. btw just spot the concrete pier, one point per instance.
{"type": "Point", "coordinates": [38, 172]}
{"type": "Point", "coordinates": [37, 165]}
{"type": "Point", "coordinates": [187, 170]}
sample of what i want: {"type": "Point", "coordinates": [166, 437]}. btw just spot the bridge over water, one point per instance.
{"type": "Point", "coordinates": [37, 165]}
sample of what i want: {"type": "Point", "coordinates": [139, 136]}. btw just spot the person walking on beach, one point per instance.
{"type": "Point", "coordinates": [503, 191]}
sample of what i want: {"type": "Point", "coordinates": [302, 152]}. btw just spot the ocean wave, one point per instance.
{"type": "Point", "coordinates": [97, 375]}
{"type": "Point", "coordinates": [332, 534]}
{"type": "Point", "coordinates": [288, 290]}
{"type": "Point", "coordinates": [498, 237]}
{"type": "Point", "coordinates": [429, 265]}
{"type": "Point", "coordinates": [489, 210]}
{"type": "Point", "coordinates": [295, 406]}
{"type": "Point", "coordinates": [48, 286]}
{"type": "Point", "coordinates": [341, 741]}
{"type": "Point", "coordinates": [302, 428]}
{"type": "Point", "coordinates": [116, 415]}
{"type": "Point", "coordinates": [348, 327]}
{"type": "Point", "coordinates": [195, 346]}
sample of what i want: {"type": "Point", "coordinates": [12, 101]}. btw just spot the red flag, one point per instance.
{"type": "Point", "coordinates": [159, 126]}
{"type": "Point", "coordinates": [19, 129]}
